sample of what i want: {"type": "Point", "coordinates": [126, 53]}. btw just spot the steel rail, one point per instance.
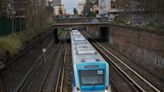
{"type": "Point", "coordinates": [31, 70]}
{"type": "Point", "coordinates": [60, 71]}
{"type": "Point", "coordinates": [137, 74]}
{"type": "Point", "coordinates": [45, 78]}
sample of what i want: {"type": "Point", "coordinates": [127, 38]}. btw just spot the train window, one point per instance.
{"type": "Point", "coordinates": [91, 77]}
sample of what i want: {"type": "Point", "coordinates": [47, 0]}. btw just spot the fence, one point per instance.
{"type": "Point", "coordinates": [9, 25]}
{"type": "Point", "coordinates": [80, 20]}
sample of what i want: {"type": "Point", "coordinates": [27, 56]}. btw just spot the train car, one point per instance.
{"type": "Point", "coordinates": [90, 72]}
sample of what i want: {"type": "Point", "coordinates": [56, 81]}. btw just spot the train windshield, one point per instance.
{"type": "Point", "coordinates": [92, 77]}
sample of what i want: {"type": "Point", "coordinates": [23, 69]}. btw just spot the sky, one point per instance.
{"type": "Point", "coordinates": [69, 5]}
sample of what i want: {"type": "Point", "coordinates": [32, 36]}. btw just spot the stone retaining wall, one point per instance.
{"type": "Point", "coordinates": [146, 47]}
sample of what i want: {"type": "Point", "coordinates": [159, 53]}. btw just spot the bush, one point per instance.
{"type": "Point", "coordinates": [10, 43]}
{"type": "Point", "coordinates": [119, 21]}
{"type": "Point", "coordinates": [61, 32]}
{"type": "Point", "coordinates": [156, 25]}
{"type": "Point", "coordinates": [28, 35]}
{"type": "Point", "coordinates": [91, 14]}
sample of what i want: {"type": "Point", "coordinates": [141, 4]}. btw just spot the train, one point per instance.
{"type": "Point", "coordinates": [90, 71]}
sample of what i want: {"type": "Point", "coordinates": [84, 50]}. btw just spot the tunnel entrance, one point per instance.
{"type": "Point", "coordinates": [104, 34]}
{"type": "Point", "coordinates": [56, 35]}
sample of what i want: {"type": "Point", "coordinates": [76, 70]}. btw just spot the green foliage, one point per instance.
{"type": "Point", "coordinates": [30, 34]}
{"type": "Point", "coordinates": [49, 8]}
{"type": "Point", "coordinates": [61, 32]}
{"type": "Point", "coordinates": [75, 11]}
{"type": "Point", "coordinates": [156, 25]}
{"type": "Point", "coordinates": [91, 14]}
{"type": "Point", "coordinates": [10, 43]}
{"type": "Point", "coordinates": [119, 21]}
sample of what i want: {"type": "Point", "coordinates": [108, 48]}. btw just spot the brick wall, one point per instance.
{"type": "Point", "coordinates": [140, 45]}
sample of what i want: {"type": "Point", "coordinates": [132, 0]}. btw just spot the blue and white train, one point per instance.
{"type": "Point", "coordinates": [90, 70]}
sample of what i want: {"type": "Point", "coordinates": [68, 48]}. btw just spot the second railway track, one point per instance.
{"type": "Point", "coordinates": [53, 80]}
{"type": "Point", "coordinates": [138, 80]}
{"type": "Point", "coordinates": [44, 76]}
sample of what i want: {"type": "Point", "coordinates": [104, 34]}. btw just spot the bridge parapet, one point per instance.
{"type": "Point", "coordinates": [79, 20]}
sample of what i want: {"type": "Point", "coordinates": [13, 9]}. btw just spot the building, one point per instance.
{"type": "Point", "coordinates": [20, 8]}
{"type": "Point", "coordinates": [104, 6]}
{"type": "Point", "coordinates": [95, 5]}
{"type": "Point", "coordinates": [81, 5]}
{"type": "Point", "coordinates": [56, 2]}
{"type": "Point", "coordinates": [113, 8]}
{"type": "Point", "coordinates": [57, 6]}
{"type": "Point", "coordinates": [91, 6]}
{"type": "Point", "coordinates": [59, 10]}
{"type": "Point", "coordinates": [2, 8]}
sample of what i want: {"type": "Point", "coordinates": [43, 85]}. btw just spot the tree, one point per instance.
{"type": "Point", "coordinates": [37, 14]}
{"type": "Point", "coordinates": [153, 7]}
{"type": "Point", "coordinates": [2, 8]}
{"type": "Point", "coordinates": [50, 9]}
{"type": "Point", "coordinates": [75, 11]}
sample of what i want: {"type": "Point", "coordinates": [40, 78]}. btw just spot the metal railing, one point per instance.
{"type": "Point", "coordinates": [80, 20]}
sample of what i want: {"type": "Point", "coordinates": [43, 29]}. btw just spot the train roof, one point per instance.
{"type": "Point", "coordinates": [75, 32]}
{"type": "Point", "coordinates": [86, 49]}
{"type": "Point", "coordinates": [83, 51]}
{"type": "Point", "coordinates": [79, 37]}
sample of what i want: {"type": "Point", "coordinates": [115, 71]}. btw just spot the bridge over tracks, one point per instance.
{"type": "Point", "coordinates": [100, 25]}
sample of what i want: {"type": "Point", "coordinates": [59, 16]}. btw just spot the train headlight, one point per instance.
{"type": "Point", "coordinates": [78, 90]}
{"type": "Point", "coordinates": [106, 89]}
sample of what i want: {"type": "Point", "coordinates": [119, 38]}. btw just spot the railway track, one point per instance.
{"type": "Point", "coordinates": [139, 82]}
{"type": "Point", "coordinates": [120, 82]}
{"type": "Point", "coordinates": [45, 84]}
{"type": "Point", "coordinates": [61, 86]}
{"type": "Point", "coordinates": [64, 81]}
{"type": "Point", "coordinates": [37, 77]}
{"type": "Point", "coordinates": [67, 87]}
{"type": "Point", "coordinates": [154, 79]}
{"type": "Point", "coordinates": [60, 79]}
{"type": "Point", "coordinates": [16, 67]}
{"type": "Point", "coordinates": [54, 80]}
{"type": "Point", "coordinates": [67, 69]}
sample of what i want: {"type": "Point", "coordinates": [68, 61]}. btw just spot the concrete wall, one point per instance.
{"type": "Point", "coordinates": [142, 46]}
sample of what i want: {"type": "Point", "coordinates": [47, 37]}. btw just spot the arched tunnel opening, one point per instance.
{"type": "Point", "coordinates": [55, 31]}
{"type": "Point", "coordinates": [104, 34]}
{"type": "Point", "coordinates": [58, 35]}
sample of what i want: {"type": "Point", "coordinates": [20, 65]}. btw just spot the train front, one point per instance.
{"type": "Point", "coordinates": [90, 70]}
{"type": "Point", "coordinates": [92, 77]}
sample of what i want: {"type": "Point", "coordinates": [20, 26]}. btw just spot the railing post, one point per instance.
{"type": "Point", "coordinates": [79, 20]}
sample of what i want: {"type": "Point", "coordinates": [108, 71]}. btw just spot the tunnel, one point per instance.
{"type": "Point", "coordinates": [104, 34]}
{"type": "Point", "coordinates": [55, 31]}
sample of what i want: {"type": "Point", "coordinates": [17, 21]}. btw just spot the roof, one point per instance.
{"type": "Point", "coordinates": [78, 37]}
{"type": "Point", "coordinates": [85, 49]}
{"type": "Point", "coordinates": [74, 32]}
{"type": "Point", "coordinates": [82, 50]}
